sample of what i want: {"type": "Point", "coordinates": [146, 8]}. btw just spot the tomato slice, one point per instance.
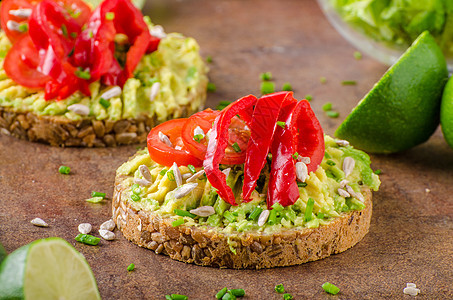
{"type": "Point", "coordinates": [5, 16]}
{"type": "Point", "coordinates": [163, 153]}
{"type": "Point", "coordinates": [237, 133]}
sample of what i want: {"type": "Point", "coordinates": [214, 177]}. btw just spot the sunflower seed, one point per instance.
{"type": "Point", "coordinates": [164, 139]}
{"type": "Point", "coordinates": [198, 131]}
{"type": "Point", "coordinates": [145, 172]}
{"type": "Point", "coordinates": [342, 143]}
{"type": "Point", "coordinates": [177, 173]}
{"type": "Point", "coordinates": [195, 176]}
{"type": "Point", "coordinates": [186, 176]}
{"type": "Point", "coordinates": [185, 189]}
{"type": "Point", "coordinates": [301, 171]}
{"type": "Point", "coordinates": [409, 284]}
{"type": "Point", "coordinates": [139, 227]}
{"type": "Point", "coordinates": [305, 160]}
{"type": "Point", "coordinates": [203, 211]}
{"type": "Point", "coordinates": [411, 291]}
{"type": "Point", "coordinates": [155, 88]}
{"type": "Point", "coordinates": [348, 165]}
{"type": "Point", "coordinates": [343, 183]}
{"type": "Point", "coordinates": [85, 228]}
{"type": "Point", "coordinates": [142, 182]}
{"type": "Point", "coordinates": [21, 12]}
{"type": "Point", "coordinates": [343, 193]}
{"type": "Point", "coordinates": [107, 225]}
{"type": "Point", "coordinates": [263, 217]}
{"type": "Point", "coordinates": [79, 109]}
{"type": "Point", "coordinates": [106, 235]}
{"type": "Point", "coordinates": [158, 31]}
{"type": "Point", "coordinates": [112, 92]}
{"type": "Point", "coordinates": [227, 172]}
{"type": "Point", "coordinates": [39, 222]}
{"type": "Point", "coordinates": [178, 147]}
{"type": "Point", "coordinates": [14, 26]}
{"type": "Point", "coordinates": [358, 196]}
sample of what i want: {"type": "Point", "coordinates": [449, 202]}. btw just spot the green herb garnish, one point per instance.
{"type": "Point", "coordinates": [349, 82]}
{"type": "Point", "coordinates": [178, 222]}
{"type": "Point", "coordinates": [323, 79]}
{"type": "Point", "coordinates": [287, 87]}
{"type": "Point", "coordinates": [281, 124]}
{"type": "Point", "coordinates": [110, 16]}
{"type": "Point", "coordinates": [332, 114]}
{"type": "Point", "coordinates": [83, 74]}
{"type": "Point", "coordinates": [301, 184]}
{"type": "Point", "coordinates": [238, 292]}
{"type": "Point", "coordinates": [176, 297]}
{"type": "Point", "coordinates": [171, 175]}
{"type": "Point", "coordinates": [220, 293]}
{"type": "Point", "coordinates": [209, 59]}
{"type": "Point", "coordinates": [295, 155]}
{"type": "Point", "coordinates": [135, 197]}
{"type": "Point", "coordinates": [87, 239]}
{"type": "Point", "coordinates": [64, 30]}
{"type": "Point", "coordinates": [223, 104]}
{"type": "Point", "coordinates": [327, 106]}
{"type": "Point", "coordinates": [267, 87]}
{"type": "Point", "coordinates": [95, 199]}
{"type": "Point", "coordinates": [272, 219]}
{"type": "Point", "coordinates": [288, 296]}
{"type": "Point", "coordinates": [211, 87]}
{"type": "Point", "coordinates": [266, 76]}
{"type": "Point", "coordinates": [236, 147]}
{"type": "Point", "coordinates": [198, 137]}
{"type": "Point", "coordinates": [309, 209]}
{"type": "Point", "coordinates": [163, 172]}
{"type": "Point", "coordinates": [330, 162]}
{"type": "Point", "coordinates": [308, 97]}
{"type": "Point", "coordinates": [105, 103]}
{"type": "Point", "coordinates": [357, 55]}
{"type": "Point", "coordinates": [279, 288]}
{"type": "Point", "coordinates": [183, 213]}
{"type": "Point", "coordinates": [131, 267]}
{"type": "Point", "coordinates": [229, 216]}
{"type": "Point", "coordinates": [377, 172]}
{"type": "Point", "coordinates": [97, 194]}
{"type": "Point", "coordinates": [192, 169]}
{"type": "Point", "coordinates": [23, 27]}
{"type": "Point", "coordinates": [64, 170]}
{"type": "Point", "coordinates": [255, 213]}
{"type": "Point", "coordinates": [330, 288]}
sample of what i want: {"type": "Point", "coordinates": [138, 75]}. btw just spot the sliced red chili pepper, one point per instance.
{"type": "Point", "coordinates": [218, 140]}
{"type": "Point", "coordinates": [263, 125]}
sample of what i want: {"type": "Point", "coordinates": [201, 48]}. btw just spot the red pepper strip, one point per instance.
{"type": "Point", "coordinates": [218, 141]}
{"type": "Point", "coordinates": [264, 122]}
{"type": "Point", "coordinates": [310, 137]}
{"type": "Point", "coordinates": [282, 182]}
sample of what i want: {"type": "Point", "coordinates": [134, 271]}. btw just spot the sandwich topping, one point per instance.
{"type": "Point", "coordinates": [259, 164]}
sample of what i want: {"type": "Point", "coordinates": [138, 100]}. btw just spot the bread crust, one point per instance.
{"type": "Point", "coordinates": [206, 246]}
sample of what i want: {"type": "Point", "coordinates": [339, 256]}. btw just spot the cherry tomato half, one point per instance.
{"type": "Point", "coordinates": [6, 15]}
{"type": "Point", "coordinates": [163, 153]}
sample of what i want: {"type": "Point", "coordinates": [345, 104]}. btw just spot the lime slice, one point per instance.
{"type": "Point", "coordinates": [47, 269]}
{"type": "Point", "coordinates": [95, 3]}
{"type": "Point", "coordinates": [402, 109]}
{"type": "Point", "coordinates": [446, 112]}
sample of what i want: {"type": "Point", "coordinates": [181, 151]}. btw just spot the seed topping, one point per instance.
{"type": "Point", "coordinates": [112, 92]}
{"type": "Point", "coordinates": [203, 211]}
{"type": "Point", "coordinates": [145, 172]}
{"type": "Point", "coordinates": [343, 193]}
{"type": "Point", "coordinates": [348, 165]}
{"type": "Point", "coordinates": [177, 173]}
{"type": "Point", "coordinates": [262, 219]}
{"type": "Point", "coordinates": [106, 235]}
{"type": "Point", "coordinates": [84, 228]}
{"type": "Point", "coordinates": [39, 222]}
{"type": "Point", "coordinates": [108, 225]}
{"type": "Point", "coordinates": [185, 189]}
{"type": "Point", "coordinates": [155, 88]}
{"type": "Point", "coordinates": [142, 182]}
{"type": "Point", "coordinates": [301, 171]}
{"type": "Point", "coordinates": [21, 12]}
{"type": "Point", "coordinates": [164, 139]}
{"type": "Point", "coordinates": [79, 109]}
{"type": "Point", "coordinates": [195, 176]}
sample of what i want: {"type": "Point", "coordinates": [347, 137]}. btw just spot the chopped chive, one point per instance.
{"type": "Point", "coordinates": [357, 55]}
{"type": "Point", "coordinates": [281, 124]}
{"type": "Point", "coordinates": [377, 172]}
{"type": "Point", "coordinates": [71, 53]}
{"type": "Point", "coordinates": [266, 76]}
{"type": "Point", "coordinates": [272, 220]}
{"type": "Point", "coordinates": [91, 34]}
{"type": "Point", "coordinates": [171, 175]}
{"type": "Point", "coordinates": [277, 207]}
{"type": "Point", "coordinates": [95, 199]}
{"type": "Point", "coordinates": [163, 172]}
{"type": "Point", "coordinates": [76, 14]}
{"type": "Point", "coordinates": [223, 104]}
{"type": "Point", "coordinates": [105, 103]}
{"type": "Point", "coordinates": [238, 292]}
{"type": "Point", "coordinates": [64, 30]}
{"type": "Point", "coordinates": [330, 162]}
{"type": "Point", "coordinates": [301, 184]}
{"type": "Point", "coordinates": [330, 288]}
{"type": "Point", "coordinates": [209, 59]}
{"type": "Point", "coordinates": [83, 74]}
{"type": "Point", "coordinates": [135, 197]}
{"type": "Point", "coordinates": [211, 87]}
{"type": "Point", "coordinates": [23, 27]}
{"type": "Point", "coordinates": [73, 34]}
{"type": "Point", "coordinates": [134, 186]}
{"type": "Point", "coordinates": [64, 170]}
{"type": "Point", "coordinates": [131, 267]}
{"type": "Point", "coordinates": [183, 213]}
{"type": "Point", "coordinates": [97, 194]}
{"type": "Point", "coordinates": [308, 97]}
{"type": "Point", "coordinates": [87, 239]}
{"type": "Point", "coordinates": [255, 213]}
{"type": "Point", "coordinates": [327, 155]}
{"type": "Point", "coordinates": [229, 296]}
{"type": "Point", "coordinates": [191, 169]}
{"type": "Point", "coordinates": [229, 216]}
{"type": "Point", "coordinates": [332, 114]}
{"type": "Point", "coordinates": [267, 87]}
{"type": "Point", "coordinates": [220, 293]}
{"type": "Point", "coordinates": [323, 79]}
{"type": "Point", "coordinates": [288, 296]}
{"type": "Point", "coordinates": [327, 106]}
{"type": "Point", "coordinates": [198, 137]}
{"type": "Point", "coordinates": [287, 87]}
{"type": "Point", "coordinates": [136, 190]}
{"type": "Point", "coordinates": [295, 155]}
{"type": "Point", "coordinates": [178, 222]}
{"type": "Point", "coordinates": [236, 147]}
{"type": "Point", "coordinates": [309, 209]}
{"type": "Point", "coordinates": [349, 82]}
{"type": "Point", "coordinates": [320, 215]}
{"type": "Point", "coordinates": [110, 16]}
{"type": "Point", "coordinates": [178, 297]}
{"type": "Point", "coordinates": [279, 288]}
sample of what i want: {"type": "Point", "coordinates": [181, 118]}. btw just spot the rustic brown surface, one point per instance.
{"type": "Point", "coordinates": [411, 234]}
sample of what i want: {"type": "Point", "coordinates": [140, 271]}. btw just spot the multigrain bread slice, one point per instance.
{"type": "Point", "coordinates": [206, 246]}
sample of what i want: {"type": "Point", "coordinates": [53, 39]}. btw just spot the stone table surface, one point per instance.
{"type": "Point", "coordinates": [411, 233]}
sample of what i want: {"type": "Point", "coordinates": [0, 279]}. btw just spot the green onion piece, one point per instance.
{"type": "Point", "coordinates": [281, 124]}
{"type": "Point", "coordinates": [323, 79]}
{"type": "Point", "coordinates": [131, 267]}
{"type": "Point", "coordinates": [288, 296]}
{"type": "Point", "coordinates": [105, 103]}
{"type": "Point", "coordinates": [198, 137]}
{"type": "Point", "coordinates": [229, 296]}
{"type": "Point", "coordinates": [97, 194]}
{"type": "Point", "coordinates": [279, 288]}
{"type": "Point", "coordinates": [110, 16]}
{"type": "Point", "coordinates": [64, 30]}
{"type": "Point", "coordinates": [73, 34]}
{"type": "Point", "coordinates": [320, 215]}
{"type": "Point", "coordinates": [135, 197]}
{"type": "Point", "coordinates": [229, 216]}
{"type": "Point", "coordinates": [272, 220]}
{"type": "Point", "coordinates": [357, 55]}
{"type": "Point", "coordinates": [277, 207]}
{"type": "Point", "coordinates": [178, 297]}
{"type": "Point", "coordinates": [349, 82]}
{"type": "Point", "coordinates": [209, 59]}
{"type": "Point", "coordinates": [330, 162]}
{"type": "Point", "coordinates": [82, 74]}
{"type": "Point", "coordinates": [91, 34]}
{"type": "Point", "coordinates": [301, 184]}
{"type": "Point", "coordinates": [309, 209]}
{"type": "Point", "coordinates": [76, 14]}
{"type": "Point", "coordinates": [287, 87]}
{"type": "Point", "coordinates": [238, 292]}
{"type": "Point", "coordinates": [330, 288]}
{"type": "Point", "coordinates": [137, 190]}
{"type": "Point", "coordinates": [236, 147]}
{"type": "Point", "coordinates": [183, 213]}
{"type": "Point", "coordinates": [163, 172]}
{"type": "Point", "coordinates": [171, 175]}
{"type": "Point", "coordinates": [191, 169]}
{"type": "Point", "coordinates": [134, 186]}
{"type": "Point", "coordinates": [332, 114]}
{"type": "Point", "coordinates": [64, 170]}
{"type": "Point", "coordinates": [87, 239]}
{"type": "Point", "coordinates": [267, 87]}
{"type": "Point", "coordinates": [255, 213]}
{"type": "Point", "coordinates": [327, 155]}
{"type": "Point", "coordinates": [377, 172]}
{"type": "Point", "coordinates": [168, 297]}
{"type": "Point", "coordinates": [95, 199]}
{"type": "Point", "coordinates": [220, 293]}
{"type": "Point", "coordinates": [23, 27]}
{"type": "Point", "coordinates": [266, 76]}
{"type": "Point", "coordinates": [308, 97]}
{"type": "Point", "coordinates": [295, 155]}
{"type": "Point", "coordinates": [223, 104]}
{"type": "Point", "coordinates": [178, 222]}
{"type": "Point", "coordinates": [327, 106]}
{"type": "Point", "coordinates": [211, 87]}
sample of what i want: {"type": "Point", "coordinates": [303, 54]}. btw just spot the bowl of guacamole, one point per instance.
{"type": "Point", "coordinates": [384, 29]}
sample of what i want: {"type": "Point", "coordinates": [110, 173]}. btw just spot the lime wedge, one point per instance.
{"type": "Point", "coordinates": [446, 112]}
{"type": "Point", "coordinates": [402, 109]}
{"type": "Point", "coordinates": [47, 269]}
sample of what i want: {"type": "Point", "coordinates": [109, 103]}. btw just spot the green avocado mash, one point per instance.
{"type": "Point", "coordinates": [176, 65]}
{"type": "Point", "coordinates": [321, 188]}
{"type": "Point", "coordinates": [399, 22]}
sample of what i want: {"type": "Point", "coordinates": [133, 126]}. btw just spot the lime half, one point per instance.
{"type": "Point", "coordinates": [446, 112]}
{"type": "Point", "coordinates": [402, 109]}
{"type": "Point", "coordinates": [47, 269]}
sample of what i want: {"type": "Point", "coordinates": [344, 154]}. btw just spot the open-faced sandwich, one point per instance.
{"type": "Point", "coordinates": [70, 76]}
{"type": "Point", "coordinates": [256, 185]}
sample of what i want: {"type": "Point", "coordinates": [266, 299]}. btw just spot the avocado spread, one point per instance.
{"type": "Point", "coordinates": [176, 65]}
{"type": "Point", "coordinates": [319, 203]}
